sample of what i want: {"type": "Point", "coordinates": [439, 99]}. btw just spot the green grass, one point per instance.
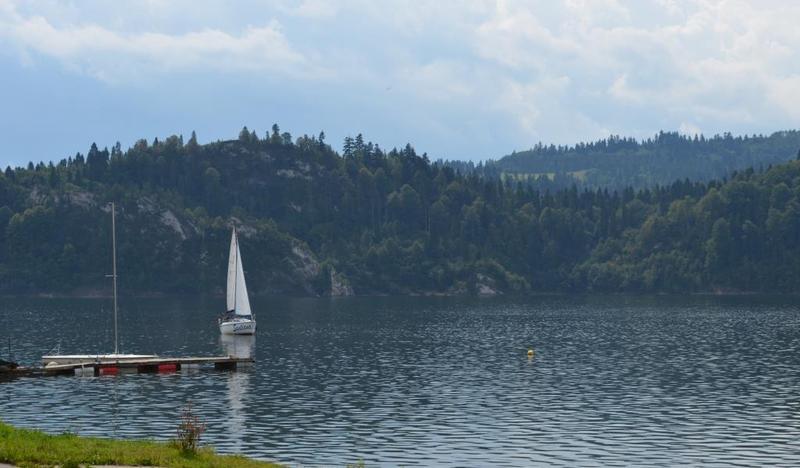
{"type": "Point", "coordinates": [525, 176]}
{"type": "Point", "coordinates": [580, 175]}
{"type": "Point", "coordinates": [26, 447]}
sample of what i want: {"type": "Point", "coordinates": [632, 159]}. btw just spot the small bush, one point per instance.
{"type": "Point", "coordinates": [190, 430]}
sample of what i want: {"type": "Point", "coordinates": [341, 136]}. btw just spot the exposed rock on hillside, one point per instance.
{"type": "Point", "coordinates": [170, 220]}
{"type": "Point", "coordinates": [485, 286]}
{"type": "Point", "coordinates": [304, 262]}
{"type": "Point", "coordinates": [340, 286]}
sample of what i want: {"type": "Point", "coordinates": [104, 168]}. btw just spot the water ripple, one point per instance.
{"type": "Point", "coordinates": [616, 381]}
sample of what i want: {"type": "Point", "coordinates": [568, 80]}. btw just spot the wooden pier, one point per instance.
{"type": "Point", "coordinates": [138, 366]}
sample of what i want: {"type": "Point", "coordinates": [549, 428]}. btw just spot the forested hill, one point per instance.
{"type": "Point", "coordinates": [368, 221]}
{"type": "Point", "coordinates": [616, 163]}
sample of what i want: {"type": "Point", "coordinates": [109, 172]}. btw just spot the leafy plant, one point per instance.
{"type": "Point", "coordinates": [190, 430]}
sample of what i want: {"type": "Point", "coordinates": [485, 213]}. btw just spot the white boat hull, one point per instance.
{"type": "Point", "coordinates": [238, 327]}
{"type": "Point", "coordinates": [93, 358]}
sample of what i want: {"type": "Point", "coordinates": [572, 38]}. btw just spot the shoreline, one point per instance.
{"type": "Point", "coordinates": [33, 447]}
{"type": "Point", "coordinates": [162, 295]}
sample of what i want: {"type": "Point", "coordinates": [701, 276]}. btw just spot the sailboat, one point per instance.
{"type": "Point", "coordinates": [56, 359]}
{"type": "Point", "coordinates": [238, 318]}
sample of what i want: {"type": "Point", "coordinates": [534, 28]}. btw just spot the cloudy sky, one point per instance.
{"type": "Point", "coordinates": [458, 79]}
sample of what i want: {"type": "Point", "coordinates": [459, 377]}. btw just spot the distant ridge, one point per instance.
{"type": "Point", "coordinates": [616, 162]}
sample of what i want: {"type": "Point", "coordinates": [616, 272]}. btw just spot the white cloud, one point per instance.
{"type": "Point", "coordinates": [723, 62]}
{"type": "Point", "coordinates": [312, 9]}
{"type": "Point", "coordinates": [115, 56]}
{"type": "Point", "coordinates": [516, 38]}
{"type": "Point", "coordinates": [440, 80]}
{"type": "Point", "coordinates": [784, 93]}
{"type": "Point", "coordinates": [599, 12]}
{"type": "Point", "coordinates": [689, 129]}
{"type": "Point", "coordinates": [539, 69]}
{"type": "Point", "coordinates": [620, 90]}
{"type": "Point", "coordinates": [528, 102]}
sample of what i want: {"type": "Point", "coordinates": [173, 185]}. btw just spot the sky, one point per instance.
{"type": "Point", "coordinates": [465, 80]}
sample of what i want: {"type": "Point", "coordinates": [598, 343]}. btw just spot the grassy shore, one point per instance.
{"type": "Point", "coordinates": [26, 447]}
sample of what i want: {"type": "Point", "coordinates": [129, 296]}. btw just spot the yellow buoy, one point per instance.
{"type": "Point", "coordinates": [530, 353]}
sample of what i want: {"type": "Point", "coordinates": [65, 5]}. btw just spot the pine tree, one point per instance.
{"type": "Point", "coordinates": [192, 145]}
{"type": "Point", "coordinates": [244, 135]}
{"type": "Point", "coordinates": [276, 135]}
{"type": "Point", "coordinates": [348, 147]}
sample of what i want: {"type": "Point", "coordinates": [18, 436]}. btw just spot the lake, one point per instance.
{"type": "Point", "coordinates": [616, 380]}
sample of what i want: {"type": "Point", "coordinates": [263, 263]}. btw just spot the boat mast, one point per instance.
{"type": "Point", "coordinates": [236, 270]}
{"type": "Point", "coordinates": [114, 274]}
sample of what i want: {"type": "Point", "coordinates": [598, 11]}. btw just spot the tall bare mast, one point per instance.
{"type": "Point", "coordinates": [114, 273]}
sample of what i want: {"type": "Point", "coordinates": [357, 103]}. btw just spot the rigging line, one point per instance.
{"type": "Point", "coordinates": [235, 270]}
{"type": "Point", "coordinates": [114, 248]}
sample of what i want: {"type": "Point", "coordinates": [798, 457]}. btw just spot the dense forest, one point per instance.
{"type": "Point", "coordinates": [368, 221]}
{"type": "Point", "coordinates": [618, 163]}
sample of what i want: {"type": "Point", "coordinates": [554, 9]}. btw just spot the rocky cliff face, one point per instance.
{"type": "Point", "coordinates": [340, 286]}
{"type": "Point", "coordinates": [304, 268]}
{"type": "Point", "coordinates": [485, 285]}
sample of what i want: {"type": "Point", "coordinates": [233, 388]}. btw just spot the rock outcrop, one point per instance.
{"type": "Point", "coordinates": [340, 286]}
{"type": "Point", "coordinates": [485, 285]}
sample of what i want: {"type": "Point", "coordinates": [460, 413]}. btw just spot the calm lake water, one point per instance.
{"type": "Point", "coordinates": [616, 381]}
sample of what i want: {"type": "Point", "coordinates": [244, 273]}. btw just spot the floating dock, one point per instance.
{"type": "Point", "coordinates": [138, 366]}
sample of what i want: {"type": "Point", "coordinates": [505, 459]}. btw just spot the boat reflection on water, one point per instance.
{"type": "Point", "coordinates": [238, 383]}
{"type": "Point", "coordinates": [239, 346]}
{"type": "Point", "coordinates": [236, 420]}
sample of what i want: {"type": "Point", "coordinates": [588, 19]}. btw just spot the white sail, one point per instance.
{"type": "Point", "coordinates": [231, 287]}
{"type": "Point", "coordinates": [236, 297]}
{"type": "Point", "coordinates": [242, 302]}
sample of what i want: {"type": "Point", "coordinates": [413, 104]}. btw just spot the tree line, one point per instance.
{"type": "Point", "coordinates": [617, 162]}
{"type": "Point", "coordinates": [390, 222]}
